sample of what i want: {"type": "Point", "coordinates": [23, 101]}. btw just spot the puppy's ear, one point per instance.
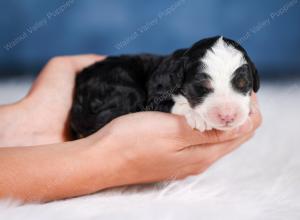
{"type": "Point", "coordinates": [255, 76]}
{"type": "Point", "coordinates": [177, 68]}
{"type": "Point", "coordinates": [178, 64]}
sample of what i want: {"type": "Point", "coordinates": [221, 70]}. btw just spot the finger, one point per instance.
{"type": "Point", "coordinates": [253, 97]}
{"type": "Point", "coordinates": [81, 61]}
{"type": "Point", "coordinates": [208, 154]}
{"type": "Point", "coordinates": [220, 150]}
{"type": "Point", "coordinates": [60, 71]}
{"type": "Point", "coordinates": [255, 114]}
{"type": "Point", "coordinates": [69, 65]}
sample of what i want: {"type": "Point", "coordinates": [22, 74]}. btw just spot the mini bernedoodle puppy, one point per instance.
{"type": "Point", "coordinates": [209, 83]}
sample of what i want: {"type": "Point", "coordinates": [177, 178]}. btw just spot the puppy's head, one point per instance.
{"type": "Point", "coordinates": [218, 80]}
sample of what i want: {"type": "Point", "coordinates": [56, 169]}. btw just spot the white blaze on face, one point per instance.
{"type": "Point", "coordinates": [224, 108]}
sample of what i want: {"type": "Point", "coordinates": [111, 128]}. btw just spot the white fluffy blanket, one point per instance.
{"type": "Point", "coordinates": [260, 180]}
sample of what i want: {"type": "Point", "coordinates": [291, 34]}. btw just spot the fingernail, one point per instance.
{"type": "Point", "coordinates": [245, 128]}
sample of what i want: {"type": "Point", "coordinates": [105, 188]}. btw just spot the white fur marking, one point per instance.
{"type": "Point", "coordinates": [220, 62]}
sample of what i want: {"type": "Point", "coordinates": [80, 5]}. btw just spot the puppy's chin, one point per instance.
{"type": "Point", "coordinates": [224, 128]}
{"type": "Point", "coordinates": [227, 127]}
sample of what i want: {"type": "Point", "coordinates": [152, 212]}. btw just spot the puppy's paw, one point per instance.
{"type": "Point", "coordinates": [195, 121]}
{"type": "Point", "coordinates": [208, 127]}
{"type": "Point", "coordinates": [190, 118]}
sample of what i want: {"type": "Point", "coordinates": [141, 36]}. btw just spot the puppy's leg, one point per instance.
{"type": "Point", "coordinates": [195, 120]}
{"type": "Point", "coordinates": [182, 107]}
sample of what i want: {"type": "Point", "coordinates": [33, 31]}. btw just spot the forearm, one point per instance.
{"type": "Point", "coordinates": [50, 172]}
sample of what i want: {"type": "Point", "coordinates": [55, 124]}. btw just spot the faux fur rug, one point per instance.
{"type": "Point", "coordinates": [260, 180]}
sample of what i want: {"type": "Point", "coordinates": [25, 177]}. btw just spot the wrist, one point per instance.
{"type": "Point", "coordinates": [12, 131]}
{"type": "Point", "coordinates": [21, 125]}
{"type": "Point", "coordinates": [109, 164]}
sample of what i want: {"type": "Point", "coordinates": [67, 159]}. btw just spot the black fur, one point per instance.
{"type": "Point", "coordinates": [145, 82]}
{"type": "Point", "coordinates": [242, 79]}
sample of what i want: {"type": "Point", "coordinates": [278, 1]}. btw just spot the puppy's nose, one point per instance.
{"type": "Point", "coordinates": [227, 117]}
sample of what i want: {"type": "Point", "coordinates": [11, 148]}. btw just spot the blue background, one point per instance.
{"type": "Point", "coordinates": [95, 26]}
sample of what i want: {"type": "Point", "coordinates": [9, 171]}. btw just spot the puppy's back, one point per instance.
{"type": "Point", "coordinates": [108, 89]}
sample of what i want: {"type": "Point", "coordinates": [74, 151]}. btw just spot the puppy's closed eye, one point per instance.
{"type": "Point", "coordinates": [204, 80]}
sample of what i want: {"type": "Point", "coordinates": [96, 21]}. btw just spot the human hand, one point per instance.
{"type": "Point", "coordinates": [155, 146]}
{"type": "Point", "coordinates": [41, 117]}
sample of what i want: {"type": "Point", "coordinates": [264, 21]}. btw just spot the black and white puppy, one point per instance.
{"type": "Point", "coordinates": [209, 83]}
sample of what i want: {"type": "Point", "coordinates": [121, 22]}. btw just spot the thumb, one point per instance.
{"type": "Point", "coordinates": [60, 72]}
